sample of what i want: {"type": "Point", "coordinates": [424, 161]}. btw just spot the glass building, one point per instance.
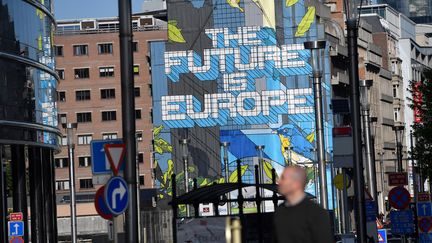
{"type": "Point", "coordinates": [420, 11]}
{"type": "Point", "coordinates": [28, 115]}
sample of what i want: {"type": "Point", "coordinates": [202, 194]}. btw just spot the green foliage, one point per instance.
{"type": "Point", "coordinates": [422, 131]}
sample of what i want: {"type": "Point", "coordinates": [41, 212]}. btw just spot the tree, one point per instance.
{"type": "Point", "coordinates": [421, 103]}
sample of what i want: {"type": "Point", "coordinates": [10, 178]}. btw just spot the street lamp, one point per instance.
{"type": "Point", "coordinates": [399, 133]}
{"type": "Point", "coordinates": [365, 113]}
{"type": "Point", "coordinates": [225, 146]}
{"type": "Point", "coordinates": [185, 153]}
{"type": "Point", "coordinates": [317, 58]}
{"type": "Point", "coordinates": [260, 149]}
{"type": "Point", "coordinates": [69, 127]}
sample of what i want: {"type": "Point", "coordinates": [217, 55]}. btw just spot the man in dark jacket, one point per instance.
{"type": "Point", "coordinates": [299, 220]}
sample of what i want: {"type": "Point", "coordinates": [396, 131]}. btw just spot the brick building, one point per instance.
{"type": "Point", "coordinates": [88, 63]}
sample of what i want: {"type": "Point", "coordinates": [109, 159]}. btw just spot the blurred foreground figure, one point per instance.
{"type": "Point", "coordinates": [299, 220]}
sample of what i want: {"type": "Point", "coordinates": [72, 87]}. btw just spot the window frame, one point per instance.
{"type": "Point", "coordinates": [56, 52]}
{"type": "Point", "coordinates": [105, 43]}
{"type": "Point", "coordinates": [76, 76]}
{"type": "Point", "coordinates": [83, 98]}
{"type": "Point", "coordinates": [84, 112]}
{"type": "Point", "coordinates": [107, 72]}
{"type": "Point", "coordinates": [86, 135]}
{"type": "Point", "coordinates": [111, 118]}
{"type": "Point", "coordinates": [80, 45]}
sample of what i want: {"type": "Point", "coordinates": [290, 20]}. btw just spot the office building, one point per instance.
{"type": "Point", "coordinates": [28, 116]}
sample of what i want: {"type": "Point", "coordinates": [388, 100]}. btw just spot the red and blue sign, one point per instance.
{"type": "Point", "coordinates": [425, 224]}
{"type": "Point", "coordinates": [399, 197]}
{"type": "Point", "coordinates": [17, 240]}
{"type": "Point", "coordinates": [100, 204]}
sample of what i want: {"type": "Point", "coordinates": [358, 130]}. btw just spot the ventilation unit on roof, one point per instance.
{"type": "Point", "coordinates": [146, 21]}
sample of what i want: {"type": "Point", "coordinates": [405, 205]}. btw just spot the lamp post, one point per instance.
{"type": "Point", "coordinates": [365, 113]}
{"type": "Point", "coordinates": [185, 153]}
{"type": "Point", "coordinates": [317, 55]}
{"type": "Point", "coordinates": [69, 127]}
{"type": "Point", "coordinates": [225, 146]}
{"type": "Point", "coordinates": [399, 133]}
{"type": "Point", "coordinates": [260, 149]}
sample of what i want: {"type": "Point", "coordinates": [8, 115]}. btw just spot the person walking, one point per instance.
{"type": "Point", "coordinates": [298, 219]}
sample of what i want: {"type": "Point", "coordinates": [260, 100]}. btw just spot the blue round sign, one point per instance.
{"type": "Point", "coordinates": [116, 195]}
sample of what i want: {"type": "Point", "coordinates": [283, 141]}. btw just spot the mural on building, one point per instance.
{"type": "Point", "coordinates": [235, 71]}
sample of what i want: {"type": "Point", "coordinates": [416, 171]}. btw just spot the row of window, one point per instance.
{"type": "Point", "coordinates": [84, 139]}
{"type": "Point", "coordinates": [85, 161]}
{"type": "Point", "coordinates": [86, 183]}
{"type": "Point", "coordinates": [104, 72]}
{"type": "Point", "coordinates": [84, 117]}
{"type": "Point", "coordinates": [81, 95]}
{"type": "Point", "coordinates": [83, 49]}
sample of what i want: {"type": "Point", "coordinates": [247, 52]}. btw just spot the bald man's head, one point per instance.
{"type": "Point", "coordinates": [292, 180]}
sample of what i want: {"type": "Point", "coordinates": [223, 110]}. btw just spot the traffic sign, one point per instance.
{"type": "Point", "coordinates": [116, 195]}
{"type": "Point", "coordinates": [382, 235]}
{"type": "Point", "coordinates": [100, 162]}
{"type": "Point", "coordinates": [100, 204]}
{"type": "Point", "coordinates": [371, 211]}
{"type": "Point", "coordinates": [18, 216]}
{"type": "Point", "coordinates": [398, 179]}
{"type": "Point", "coordinates": [424, 209]}
{"type": "Point", "coordinates": [339, 182]}
{"type": "Point", "coordinates": [16, 228]}
{"type": "Point", "coordinates": [115, 154]}
{"type": "Point", "coordinates": [402, 222]}
{"type": "Point", "coordinates": [17, 240]}
{"type": "Point", "coordinates": [399, 197]}
{"type": "Point", "coordinates": [425, 238]}
{"type": "Point", "coordinates": [423, 197]}
{"type": "Point", "coordinates": [425, 224]}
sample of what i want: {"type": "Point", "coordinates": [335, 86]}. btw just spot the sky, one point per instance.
{"type": "Point", "coordinates": [77, 9]}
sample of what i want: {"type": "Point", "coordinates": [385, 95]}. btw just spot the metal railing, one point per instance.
{"type": "Point", "coordinates": [114, 29]}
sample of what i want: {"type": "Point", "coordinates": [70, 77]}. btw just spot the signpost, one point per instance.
{"type": "Point", "coordinates": [423, 197]}
{"type": "Point", "coordinates": [371, 211]}
{"type": "Point", "coordinates": [115, 154]}
{"type": "Point", "coordinates": [100, 160]}
{"type": "Point", "coordinates": [402, 222]}
{"type": "Point", "coordinates": [382, 236]}
{"type": "Point", "coordinates": [16, 216]}
{"type": "Point", "coordinates": [399, 198]}
{"type": "Point", "coordinates": [116, 195]}
{"type": "Point", "coordinates": [17, 240]}
{"type": "Point", "coordinates": [424, 209]}
{"type": "Point", "coordinates": [398, 179]}
{"type": "Point", "coordinates": [16, 228]}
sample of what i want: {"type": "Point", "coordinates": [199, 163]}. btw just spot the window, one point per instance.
{"type": "Point", "coordinates": [395, 87]}
{"type": "Point", "coordinates": [80, 50]}
{"type": "Point", "coordinates": [138, 114]}
{"type": "Point", "coordinates": [106, 48]}
{"type": "Point", "coordinates": [112, 135]}
{"type": "Point", "coordinates": [61, 96]}
{"type": "Point", "coordinates": [63, 141]}
{"type": "Point", "coordinates": [61, 116]}
{"type": "Point", "coordinates": [137, 91]}
{"type": "Point", "coordinates": [62, 185]}
{"type": "Point", "coordinates": [84, 117]}
{"type": "Point", "coordinates": [60, 73]}
{"type": "Point", "coordinates": [106, 72]}
{"type": "Point", "coordinates": [107, 93]}
{"type": "Point", "coordinates": [135, 46]}
{"type": "Point", "coordinates": [109, 115]}
{"type": "Point", "coordinates": [140, 158]}
{"type": "Point", "coordinates": [58, 51]}
{"type": "Point", "coordinates": [139, 136]}
{"type": "Point", "coordinates": [82, 73]}
{"type": "Point", "coordinates": [86, 183]}
{"type": "Point", "coordinates": [84, 161]}
{"type": "Point", "coordinates": [136, 69]}
{"type": "Point", "coordinates": [141, 180]}
{"type": "Point", "coordinates": [84, 139]}
{"type": "Point", "coordinates": [61, 162]}
{"type": "Point", "coordinates": [82, 95]}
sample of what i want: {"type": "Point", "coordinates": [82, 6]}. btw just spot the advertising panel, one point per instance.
{"type": "Point", "coordinates": [234, 79]}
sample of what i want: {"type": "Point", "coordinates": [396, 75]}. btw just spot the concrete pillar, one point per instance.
{"type": "Point", "coordinates": [36, 195]}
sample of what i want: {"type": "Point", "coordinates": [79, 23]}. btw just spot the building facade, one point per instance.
{"type": "Point", "coordinates": [28, 115]}
{"type": "Point", "coordinates": [88, 64]}
{"type": "Point", "coordinates": [420, 11]}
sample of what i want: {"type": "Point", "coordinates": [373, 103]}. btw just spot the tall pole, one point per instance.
{"type": "Point", "coordinates": [36, 195]}
{"type": "Point", "coordinates": [3, 199]}
{"type": "Point", "coordinates": [225, 146]}
{"type": "Point", "coordinates": [260, 149]}
{"type": "Point", "coordinates": [359, 197]}
{"type": "Point", "coordinates": [382, 179]}
{"type": "Point", "coordinates": [71, 148]}
{"type": "Point", "coordinates": [128, 116]}
{"type": "Point", "coordinates": [398, 133]}
{"type": "Point", "coordinates": [185, 153]}
{"type": "Point", "coordinates": [316, 46]}
{"type": "Point", "coordinates": [414, 168]}
{"type": "Point", "coordinates": [49, 195]}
